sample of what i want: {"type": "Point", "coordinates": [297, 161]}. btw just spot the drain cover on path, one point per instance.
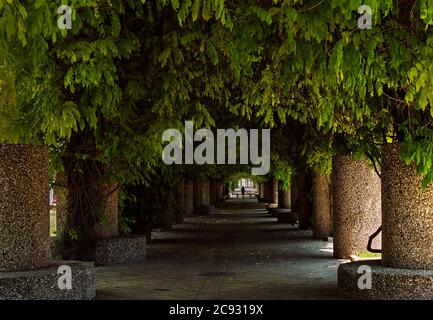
{"type": "Point", "coordinates": [217, 274]}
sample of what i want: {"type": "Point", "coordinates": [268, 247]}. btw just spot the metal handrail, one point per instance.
{"type": "Point", "coordinates": [370, 242]}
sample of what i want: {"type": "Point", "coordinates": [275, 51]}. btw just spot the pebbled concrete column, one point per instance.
{"type": "Point", "coordinates": [272, 193]}
{"type": "Point", "coordinates": [284, 213]}
{"type": "Point", "coordinates": [294, 196]}
{"type": "Point", "coordinates": [24, 207]}
{"type": "Point", "coordinates": [304, 203]}
{"type": "Point", "coordinates": [180, 201]}
{"type": "Point", "coordinates": [180, 195]}
{"type": "Point", "coordinates": [221, 195]}
{"type": "Point", "coordinates": [167, 216]}
{"type": "Point", "coordinates": [265, 191]}
{"type": "Point", "coordinates": [407, 213]}
{"type": "Point", "coordinates": [406, 269]}
{"type": "Point", "coordinates": [284, 200]}
{"type": "Point", "coordinates": [201, 197]}
{"type": "Point", "coordinates": [26, 272]}
{"type": "Point", "coordinates": [213, 192]}
{"type": "Point", "coordinates": [110, 247]}
{"type": "Point", "coordinates": [189, 197]}
{"type": "Point", "coordinates": [61, 192]}
{"type": "Point", "coordinates": [356, 205]}
{"type": "Point", "coordinates": [321, 206]}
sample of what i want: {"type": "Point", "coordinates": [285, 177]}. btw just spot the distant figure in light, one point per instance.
{"type": "Point", "coordinates": [243, 192]}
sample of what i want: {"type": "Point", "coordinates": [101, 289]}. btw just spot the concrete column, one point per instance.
{"type": "Point", "coordinates": [356, 205]}
{"type": "Point", "coordinates": [283, 212]}
{"type": "Point", "coordinates": [189, 197]}
{"type": "Point", "coordinates": [167, 216]}
{"type": "Point", "coordinates": [212, 192]}
{"type": "Point", "coordinates": [407, 213]}
{"type": "Point", "coordinates": [227, 190]}
{"type": "Point", "coordinates": [283, 197]}
{"type": "Point", "coordinates": [304, 204]}
{"type": "Point", "coordinates": [269, 191]}
{"type": "Point", "coordinates": [220, 191]}
{"type": "Point", "coordinates": [180, 195]}
{"type": "Point", "coordinates": [180, 201]}
{"type": "Point", "coordinates": [262, 192]}
{"type": "Point", "coordinates": [61, 192]}
{"type": "Point", "coordinates": [294, 195]}
{"type": "Point", "coordinates": [205, 193]}
{"type": "Point", "coordinates": [272, 193]}
{"type": "Point", "coordinates": [24, 208]}
{"type": "Point", "coordinates": [201, 197]}
{"type": "Point", "coordinates": [196, 195]}
{"type": "Point", "coordinates": [321, 206]}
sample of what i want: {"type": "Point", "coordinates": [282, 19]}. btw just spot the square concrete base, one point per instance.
{"type": "Point", "coordinates": [386, 283]}
{"type": "Point", "coordinates": [119, 250]}
{"type": "Point", "coordinates": [43, 284]}
{"type": "Point", "coordinates": [271, 206]}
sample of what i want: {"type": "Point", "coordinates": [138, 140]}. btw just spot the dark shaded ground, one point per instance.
{"type": "Point", "coordinates": [237, 253]}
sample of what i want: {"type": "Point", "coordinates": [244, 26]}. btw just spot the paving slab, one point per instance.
{"type": "Point", "coordinates": [239, 252]}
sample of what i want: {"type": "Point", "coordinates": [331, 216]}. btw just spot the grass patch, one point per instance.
{"type": "Point", "coordinates": [53, 226]}
{"type": "Point", "coordinates": [366, 254]}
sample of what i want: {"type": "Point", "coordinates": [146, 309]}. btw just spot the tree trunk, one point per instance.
{"type": "Point", "coordinates": [283, 197]}
{"type": "Point", "coordinates": [86, 199]}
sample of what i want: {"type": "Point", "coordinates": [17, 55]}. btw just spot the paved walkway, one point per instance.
{"type": "Point", "coordinates": [237, 253]}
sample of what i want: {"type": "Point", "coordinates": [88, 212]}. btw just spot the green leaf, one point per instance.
{"type": "Point", "coordinates": [195, 10]}
{"type": "Point", "coordinates": [206, 11]}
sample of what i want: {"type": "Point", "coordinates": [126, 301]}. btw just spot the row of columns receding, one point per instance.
{"type": "Point", "coordinates": [358, 201]}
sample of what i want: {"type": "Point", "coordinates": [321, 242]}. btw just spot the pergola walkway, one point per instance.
{"type": "Point", "coordinates": [237, 253]}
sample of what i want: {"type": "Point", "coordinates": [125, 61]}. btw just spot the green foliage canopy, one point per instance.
{"type": "Point", "coordinates": [129, 69]}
